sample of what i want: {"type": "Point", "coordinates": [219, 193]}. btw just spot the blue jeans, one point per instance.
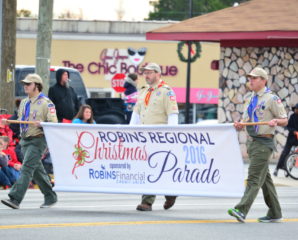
{"type": "Point", "coordinates": [12, 174]}
{"type": "Point", "coordinates": [4, 180]}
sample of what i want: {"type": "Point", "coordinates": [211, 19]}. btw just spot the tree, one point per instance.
{"type": "Point", "coordinates": [179, 9]}
{"type": "Point", "coordinates": [8, 9]}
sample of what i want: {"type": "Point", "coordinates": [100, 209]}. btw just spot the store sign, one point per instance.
{"type": "Point", "coordinates": [198, 95]}
{"type": "Point", "coordinates": [114, 60]}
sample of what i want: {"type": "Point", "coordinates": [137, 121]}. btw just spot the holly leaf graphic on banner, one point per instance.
{"type": "Point", "coordinates": [80, 156]}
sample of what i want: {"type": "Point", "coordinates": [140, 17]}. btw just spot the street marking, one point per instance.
{"type": "Point", "coordinates": [92, 224]}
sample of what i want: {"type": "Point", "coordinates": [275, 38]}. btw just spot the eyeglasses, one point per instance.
{"type": "Point", "coordinates": [148, 73]}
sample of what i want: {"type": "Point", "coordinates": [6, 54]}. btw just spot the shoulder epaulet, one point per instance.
{"type": "Point", "coordinates": [166, 86]}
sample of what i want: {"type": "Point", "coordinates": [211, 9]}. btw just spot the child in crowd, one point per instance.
{"type": "Point", "coordinates": [130, 93]}
{"type": "Point", "coordinates": [84, 116]}
{"type": "Point", "coordinates": [4, 180]}
{"type": "Point", "coordinates": [14, 166]}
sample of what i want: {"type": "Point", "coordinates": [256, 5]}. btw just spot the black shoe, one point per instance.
{"type": "Point", "coordinates": [48, 204]}
{"type": "Point", "coordinates": [170, 201]}
{"type": "Point", "coordinates": [144, 207]}
{"type": "Point", "coordinates": [267, 219]}
{"type": "Point", "coordinates": [11, 203]}
{"type": "Point", "coordinates": [275, 173]}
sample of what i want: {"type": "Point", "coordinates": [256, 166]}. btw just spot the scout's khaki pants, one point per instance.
{"type": "Point", "coordinates": [32, 168]}
{"type": "Point", "coordinates": [259, 177]}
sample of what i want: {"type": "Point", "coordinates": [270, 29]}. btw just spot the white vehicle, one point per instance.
{"type": "Point", "coordinates": [76, 80]}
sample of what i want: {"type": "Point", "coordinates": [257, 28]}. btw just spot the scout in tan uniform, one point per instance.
{"type": "Point", "coordinates": [156, 105]}
{"type": "Point", "coordinates": [263, 107]}
{"type": "Point", "coordinates": [36, 107]}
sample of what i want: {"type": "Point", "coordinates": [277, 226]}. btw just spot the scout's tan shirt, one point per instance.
{"type": "Point", "coordinates": [41, 109]}
{"type": "Point", "coordinates": [161, 104]}
{"type": "Point", "coordinates": [269, 106]}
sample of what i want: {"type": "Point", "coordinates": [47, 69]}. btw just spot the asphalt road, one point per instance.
{"type": "Point", "coordinates": [113, 216]}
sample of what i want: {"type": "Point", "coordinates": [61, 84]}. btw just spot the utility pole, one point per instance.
{"type": "Point", "coordinates": [8, 10]}
{"type": "Point", "coordinates": [188, 75]}
{"type": "Point", "coordinates": [44, 42]}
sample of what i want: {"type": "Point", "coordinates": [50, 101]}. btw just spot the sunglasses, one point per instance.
{"type": "Point", "coordinates": [27, 84]}
{"type": "Point", "coordinates": [132, 52]}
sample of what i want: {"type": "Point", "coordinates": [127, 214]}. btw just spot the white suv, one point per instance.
{"type": "Point", "coordinates": [76, 80]}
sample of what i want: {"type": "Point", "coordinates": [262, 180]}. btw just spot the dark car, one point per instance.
{"type": "Point", "coordinates": [76, 80]}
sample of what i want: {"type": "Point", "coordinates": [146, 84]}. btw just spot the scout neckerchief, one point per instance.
{"type": "Point", "coordinates": [150, 90]}
{"type": "Point", "coordinates": [26, 113]}
{"type": "Point", "coordinates": [252, 109]}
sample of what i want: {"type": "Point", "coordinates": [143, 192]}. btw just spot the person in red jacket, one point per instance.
{"type": "Point", "coordinates": [14, 166]}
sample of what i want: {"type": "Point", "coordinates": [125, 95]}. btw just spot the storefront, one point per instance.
{"type": "Point", "coordinates": [99, 57]}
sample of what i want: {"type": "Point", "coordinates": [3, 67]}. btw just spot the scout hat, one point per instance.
{"type": "Point", "coordinates": [32, 78]}
{"type": "Point", "coordinates": [258, 72]}
{"type": "Point", "coordinates": [151, 66]}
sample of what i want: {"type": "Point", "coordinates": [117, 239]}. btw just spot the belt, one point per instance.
{"type": "Point", "coordinates": [266, 135]}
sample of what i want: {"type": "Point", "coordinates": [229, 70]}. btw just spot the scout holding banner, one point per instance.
{"type": "Point", "coordinates": [186, 160]}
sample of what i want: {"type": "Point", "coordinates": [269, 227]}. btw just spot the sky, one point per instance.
{"type": "Point", "coordinates": [133, 10]}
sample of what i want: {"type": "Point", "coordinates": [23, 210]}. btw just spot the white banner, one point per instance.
{"type": "Point", "coordinates": [188, 160]}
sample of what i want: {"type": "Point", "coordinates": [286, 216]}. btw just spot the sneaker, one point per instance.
{"type": "Point", "coordinates": [237, 214]}
{"type": "Point", "coordinates": [267, 219]}
{"type": "Point", "coordinates": [144, 207]}
{"type": "Point", "coordinates": [11, 203]}
{"type": "Point", "coordinates": [48, 204]}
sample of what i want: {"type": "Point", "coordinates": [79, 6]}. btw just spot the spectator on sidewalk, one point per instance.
{"type": "Point", "coordinates": [4, 180]}
{"type": "Point", "coordinates": [14, 166]}
{"type": "Point", "coordinates": [64, 97]}
{"type": "Point", "coordinates": [84, 116]}
{"type": "Point", "coordinates": [292, 140]}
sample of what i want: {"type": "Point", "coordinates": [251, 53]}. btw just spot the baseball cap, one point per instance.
{"type": "Point", "coordinates": [32, 78]}
{"type": "Point", "coordinates": [258, 72]}
{"type": "Point", "coordinates": [151, 66]}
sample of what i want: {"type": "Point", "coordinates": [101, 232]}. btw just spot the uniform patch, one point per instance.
{"type": "Point", "coordinates": [52, 110]}
{"type": "Point", "coordinates": [158, 93]}
{"type": "Point", "coordinates": [173, 98]}
{"type": "Point", "coordinates": [277, 99]}
{"type": "Point", "coordinates": [39, 102]}
{"type": "Point", "coordinates": [51, 105]}
{"type": "Point", "coordinates": [171, 93]}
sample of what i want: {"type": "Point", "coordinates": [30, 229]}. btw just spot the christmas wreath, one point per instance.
{"type": "Point", "coordinates": [194, 54]}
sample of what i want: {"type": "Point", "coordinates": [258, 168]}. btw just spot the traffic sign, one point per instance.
{"type": "Point", "coordinates": [118, 82]}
